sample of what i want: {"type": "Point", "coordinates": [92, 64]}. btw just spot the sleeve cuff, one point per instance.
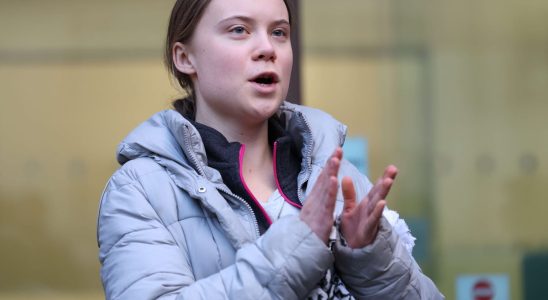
{"type": "Point", "coordinates": [303, 257]}
{"type": "Point", "coordinates": [370, 260]}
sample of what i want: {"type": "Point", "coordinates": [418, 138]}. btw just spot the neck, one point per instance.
{"type": "Point", "coordinates": [257, 168]}
{"type": "Point", "coordinates": [235, 130]}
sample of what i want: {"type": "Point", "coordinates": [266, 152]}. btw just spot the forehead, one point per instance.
{"type": "Point", "coordinates": [260, 10]}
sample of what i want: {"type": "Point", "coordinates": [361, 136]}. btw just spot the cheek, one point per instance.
{"type": "Point", "coordinates": [287, 65]}
{"type": "Point", "coordinates": [215, 60]}
{"type": "Point", "coordinates": [220, 73]}
{"type": "Point", "coordinates": [224, 59]}
{"type": "Point", "coordinates": [288, 60]}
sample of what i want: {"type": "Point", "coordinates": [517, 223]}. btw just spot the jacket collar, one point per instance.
{"type": "Point", "coordinates": [169, 135]}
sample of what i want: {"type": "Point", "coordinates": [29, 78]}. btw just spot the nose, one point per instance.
{"type": "Point", "coordinates": [265, 49]}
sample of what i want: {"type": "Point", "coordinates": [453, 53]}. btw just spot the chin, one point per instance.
{"type": "Point", "coordinates": [264, 112]}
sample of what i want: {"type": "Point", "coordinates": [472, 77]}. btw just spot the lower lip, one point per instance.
{"type": "Point", "coordinates": [264, 88]}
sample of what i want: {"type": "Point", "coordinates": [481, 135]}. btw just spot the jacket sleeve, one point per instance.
{"type": "Point", "coordinates": [141, 259]}
{"type": "Point", "coordinates": [385, 269]}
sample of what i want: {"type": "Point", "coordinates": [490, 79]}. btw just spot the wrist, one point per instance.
{"type": "Point", "coordinates": [357, 240]}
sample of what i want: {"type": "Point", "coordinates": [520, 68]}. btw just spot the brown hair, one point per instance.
{"type": "Point", "coordinates": [185, 15]}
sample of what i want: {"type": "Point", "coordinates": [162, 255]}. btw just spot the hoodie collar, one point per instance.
{"type": "Point", "coordinates": [226, 157]}
{"type": "Point", "coordinates": [169, 135]}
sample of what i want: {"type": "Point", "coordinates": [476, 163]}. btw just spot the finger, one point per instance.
{"type": "Point", "coordinates": [332, 192]}
{"type": "Point", "coordinates": [334, 166]}
{"type": "Point", "coordinates": [374, 191]}
{"type": "Point", "coordinates": [338, 153]}
{"type": "Point", "coordinates": [380, 189]}
{"type": "Point", "coordinates": [374, 219]}
{"type": "Point", "coordinates": [349, 194]}
{"type": "Point", "coordinates": [381, 193]}
{"type": "Point", "coordinates": [385, 188]}
{"type": "Point", "coordinates": [376, 187]}
{"type": "Point", "coordinates": [327, 191]}
{"type": "Point", "coordinates": [334, 162]}
{"type": "Point", "coordinates": [330, 169]}
{"type": "Point", "coordinates": [377, 212]}
{"type": "Point", "coordinates": [390, 172]}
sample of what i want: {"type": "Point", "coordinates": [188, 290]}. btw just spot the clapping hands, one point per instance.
{"type": "Point", "coordinates": [359, 221]}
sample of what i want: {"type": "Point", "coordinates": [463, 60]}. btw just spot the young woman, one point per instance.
{"type": "Point", "coordinates": [232, 195]}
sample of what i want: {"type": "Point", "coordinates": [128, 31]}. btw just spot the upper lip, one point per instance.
{"type": "Point", "coordinates": [269, 75]}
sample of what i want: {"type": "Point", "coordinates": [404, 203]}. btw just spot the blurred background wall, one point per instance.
{"type": "Point", "coordinates": [453, 93]}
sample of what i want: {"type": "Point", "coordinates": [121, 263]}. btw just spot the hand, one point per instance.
{"type": "Point", "coordinates": [360, 222]}
{"type": "Point", "coordinates": [317, 211]}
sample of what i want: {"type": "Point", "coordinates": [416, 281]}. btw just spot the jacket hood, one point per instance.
{"type": "Point", "coordinates": [321, 132]}
{"type": "Point", "coordinates": [166, 134]}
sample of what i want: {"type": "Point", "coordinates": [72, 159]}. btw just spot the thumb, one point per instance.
{"type": "Point", "coordinates": [349, 194]}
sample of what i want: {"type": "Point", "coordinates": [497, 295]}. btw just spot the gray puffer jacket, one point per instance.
{"type": "Point", "coordinates": [169, 228]}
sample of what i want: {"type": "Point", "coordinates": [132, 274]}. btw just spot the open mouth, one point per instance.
{"type": "Point", "coordinates": [266, 78]}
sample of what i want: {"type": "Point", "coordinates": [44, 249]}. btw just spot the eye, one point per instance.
{"type": "Point", "coordinates": [239, 29]}
{"type": "Point", "coordinates": [278, 32]}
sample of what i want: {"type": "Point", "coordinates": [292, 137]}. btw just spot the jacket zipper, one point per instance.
{"type": "Point", "coordinates": [201, 171]}
{"type": "Point", "coordinates": [193, 158]}
{"type": "Point", "coordinates": [308, 160]}
{"type": "Point", "coordinates": [228, 192]}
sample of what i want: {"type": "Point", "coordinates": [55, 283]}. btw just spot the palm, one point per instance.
{"type": "Point", "coordinates": [317, 211]}
{"type": "Point", "coordinates": [360, 222]}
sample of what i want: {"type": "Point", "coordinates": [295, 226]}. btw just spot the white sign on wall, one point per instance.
{"type": "Point", "coordinates": [483, 287]}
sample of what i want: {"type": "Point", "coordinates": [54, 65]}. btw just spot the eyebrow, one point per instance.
{"type": "Point", "coordinates": [251, 20]}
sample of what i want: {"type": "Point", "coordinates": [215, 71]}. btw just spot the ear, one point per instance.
{"type": "Point", "coordinates": [181, 59]}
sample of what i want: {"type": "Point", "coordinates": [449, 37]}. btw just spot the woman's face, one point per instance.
{"type": "Point", "coordinates": [240, 60]}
